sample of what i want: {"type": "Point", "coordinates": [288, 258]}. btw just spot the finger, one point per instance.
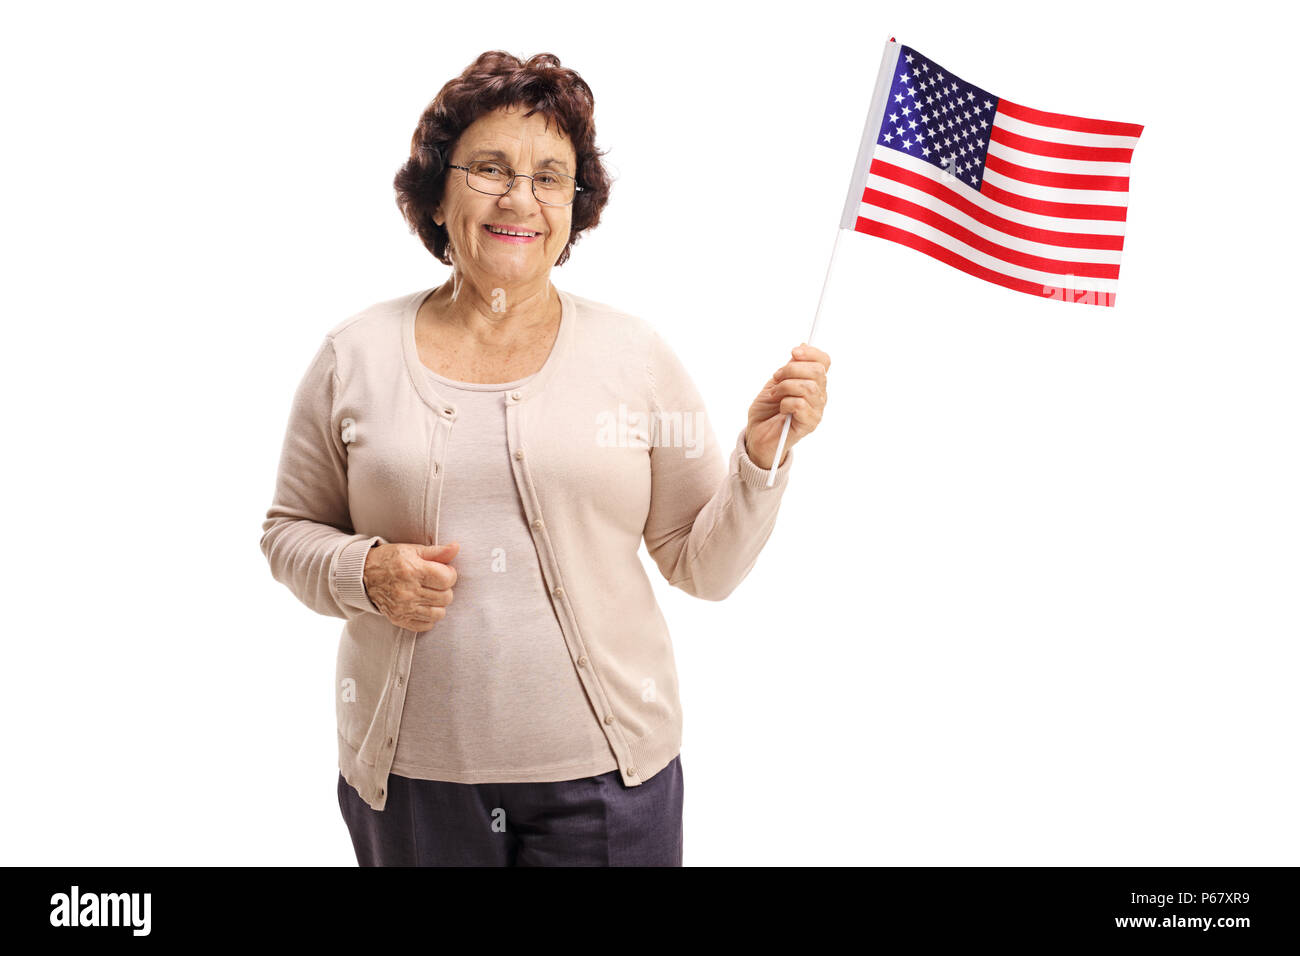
{"type": "Point", "coordinates": [434, 597]}
{"type": "Point", "coordinates": [438, 576]}
{"type": "Point", "coordinates": [809, 370]}
{"type": "Point", "coordinates": [802, 388]}
{"type": "Point", "coordinates": [800, 411]}
{"type": "Point", "coordinates": [810, 353]}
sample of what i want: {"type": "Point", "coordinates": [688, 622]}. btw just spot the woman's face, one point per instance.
{"type": "Point", "coordinates": [526, 145]}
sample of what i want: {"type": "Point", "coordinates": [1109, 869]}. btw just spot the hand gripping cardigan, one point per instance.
{"type": "Point", "coordinates": [609, 445]}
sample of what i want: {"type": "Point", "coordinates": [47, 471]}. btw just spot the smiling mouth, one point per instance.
{"type": "Point", "coordinates": [507, 232]}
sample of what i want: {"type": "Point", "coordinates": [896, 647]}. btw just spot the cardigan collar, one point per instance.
{"type": "Point", "coordinates": [443, 405]}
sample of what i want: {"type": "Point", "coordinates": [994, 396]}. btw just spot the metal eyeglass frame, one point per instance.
{"type": "Point", "coordinates": [532, 183]}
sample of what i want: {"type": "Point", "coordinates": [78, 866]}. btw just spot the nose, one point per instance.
{"type": "Point", "coordinates": [520, 194]}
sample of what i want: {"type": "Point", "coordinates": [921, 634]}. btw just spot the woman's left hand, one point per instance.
{"type": "Point", "coordinates": [797, 387]}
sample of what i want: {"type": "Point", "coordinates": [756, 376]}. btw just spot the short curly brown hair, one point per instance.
{"type": "Point", "coordinates": [494, 80]}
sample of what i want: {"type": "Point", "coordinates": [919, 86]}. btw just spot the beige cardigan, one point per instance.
{"type": "Point", "coordinates": [609, 444]}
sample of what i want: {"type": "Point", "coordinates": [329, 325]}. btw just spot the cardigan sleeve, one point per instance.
{"type": "Point", "coordinates": [307, 536]}
{"type": "Point", "coordinates": [708, 520]}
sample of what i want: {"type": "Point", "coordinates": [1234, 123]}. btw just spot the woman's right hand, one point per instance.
{"type": "Point", "coordinates": [410, 584]}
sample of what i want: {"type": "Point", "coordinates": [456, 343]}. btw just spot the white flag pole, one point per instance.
{"type": "Point", "coordinates": [785, 428]}
{"type": "Point", "coordinates": [849, 217]}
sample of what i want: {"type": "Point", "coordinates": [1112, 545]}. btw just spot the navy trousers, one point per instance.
{"type": "Point", "coordinates": [594, 821]}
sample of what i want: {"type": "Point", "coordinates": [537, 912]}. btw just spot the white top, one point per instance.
{"type": "Point", "coordinates": [493, 688]}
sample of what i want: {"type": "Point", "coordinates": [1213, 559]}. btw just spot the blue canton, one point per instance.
{"type": "Point", "coordinates": [938, 118]}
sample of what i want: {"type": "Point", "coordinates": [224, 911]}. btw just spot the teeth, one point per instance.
{"type": "Point", "coordinates": [504, 232]}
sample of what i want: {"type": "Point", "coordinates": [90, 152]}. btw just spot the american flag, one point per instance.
{"type": "Point", "coordinates": [1030, 200]}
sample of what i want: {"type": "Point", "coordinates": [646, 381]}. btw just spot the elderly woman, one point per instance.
{"type": "Point", "coordinates": [500, 440]}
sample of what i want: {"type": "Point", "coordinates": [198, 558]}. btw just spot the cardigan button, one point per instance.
{"type": "Point", "coordinates": [515, 396]}
{"type": "Point", "coordinates": [631, 771]}
{"type": "Point", "coordinates": [582, 661]}
{"type": "Point", "coordinates": [538, 524]}
{"type": "Point", "coordinates": [609, 718]}
{"type": "Point", "coordinates": [558, 592]}
{"type": "Point", "coordinates": [519, 455]}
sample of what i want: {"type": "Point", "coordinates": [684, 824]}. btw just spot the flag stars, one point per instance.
{"type": "Point", "coordinates": [938, 119]}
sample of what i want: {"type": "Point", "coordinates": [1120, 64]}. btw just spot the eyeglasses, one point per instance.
{"type": "Point", "coordinates": [496, 179]}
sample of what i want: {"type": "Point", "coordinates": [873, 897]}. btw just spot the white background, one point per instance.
{"type": "Point", "coordinates": [1031, 598]}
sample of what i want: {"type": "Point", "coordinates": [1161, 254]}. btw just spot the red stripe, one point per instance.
{"type": "Point", "coordinates": [1091, 270]}
{"type": "Point", "coordinates": [1042, 147]}
{"type": "Point", "coordinates": [1076, 240]}
{"type": "Point", "coordinates": [1064, 121]}
{"type": "Point", "coordinates": [935, 251]}
{"type": "Point", "coordinates": [1044, 207]}
{"type": "Point", "coordinates": [1041, 177]}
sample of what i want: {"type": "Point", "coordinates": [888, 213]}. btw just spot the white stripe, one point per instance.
{"type": "Point", "coordinates": [1054, 164]}
{"type": "Point", "coordinates": [1048, 280]}
{"type": "Point", "coordinates": [1053, 134]}
{"type": "Point", "coordinates": [992, 233]}
{"type": "Point", "coordinates": [1099, 227]}
{"type": "Point", "coordinates": [1090, 197]}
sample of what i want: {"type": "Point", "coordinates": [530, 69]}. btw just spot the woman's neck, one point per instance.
{"type": "Point", "coordinates": [496, 317]}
